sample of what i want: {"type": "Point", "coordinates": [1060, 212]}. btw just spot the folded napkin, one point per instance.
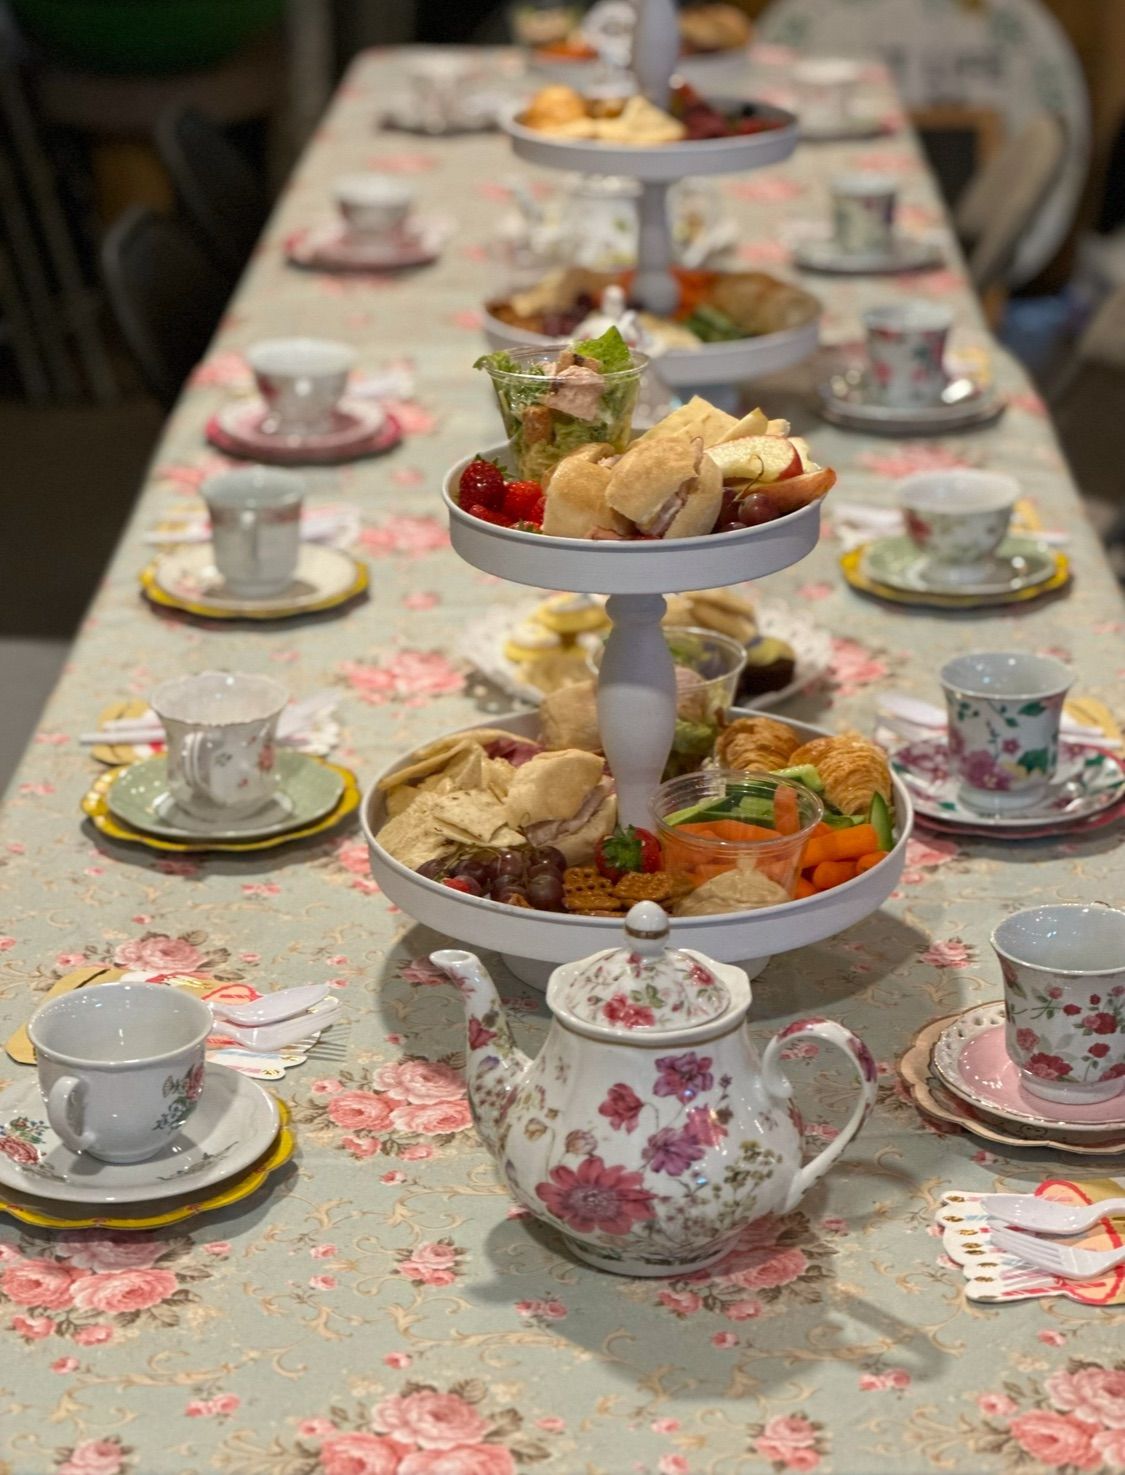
{"type": "Point", "coordinates": [335, 523]}
{"type": "Point", "coordinates": [856, 523]}
{"type": "Point", "coordinates": [306, 725]}
{"type": "Point", "coordinates": [903, 718]}
{"type": "Point", "coordinates": [991, 1275]}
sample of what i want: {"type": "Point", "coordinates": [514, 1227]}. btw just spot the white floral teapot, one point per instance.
{"type": "Point", "coordinates": [647, 1131]}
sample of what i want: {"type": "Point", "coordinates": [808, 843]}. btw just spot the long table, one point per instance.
{"type": "Point", "coordinates": [380, 1307]}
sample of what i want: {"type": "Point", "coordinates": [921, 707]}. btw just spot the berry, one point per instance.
{"type": "Point", "coordinates": [481, 484]}
{"type": "Point", "coordinates": [463, 883]}
{"type": "Point", "coordinates": [486, 514]}
{"type": "Point", "coordinates": [629, 848]}
{"type": "Point", "coordinates": [523, 501]}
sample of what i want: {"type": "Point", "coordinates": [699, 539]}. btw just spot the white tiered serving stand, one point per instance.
{"type": "Point", "coordinates": [717, 367]}
{"type": "Point", "coordinates": [636, 681]}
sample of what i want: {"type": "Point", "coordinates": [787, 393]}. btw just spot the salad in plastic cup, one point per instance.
{"type": "Point", "coordinates": [707, 667]}
{"type": "Point", "coordinates": [734, 841]}
{"type": "Point", "coordinates": [558, 398]}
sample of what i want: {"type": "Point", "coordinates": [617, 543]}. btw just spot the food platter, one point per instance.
{"type": "Point", "coordinates": [710, 363]}
{"type": "Point", "coordinates": [661, 163]}
{"type": "Point", "coordinates": [533, 942]}
{"type": "Point", "coordinates": [663, 566]}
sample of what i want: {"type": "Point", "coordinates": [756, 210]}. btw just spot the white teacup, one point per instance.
{"type": "Point", "coordinates": [220, 727]}
{"type": "Point", "coordinates": [863, 213]}
{"type": "Point", "coordinates": [373, 205]}
{"type": "Point", "coordinates": [1064, 1000]}
{"type": "Point", "coordinates": [1004, 711]}
{"type": "Point", "coordinates": [906, 352]}
{"type": "Point", "coordinates": [301, 380]}
{"type": "Point", "coordinates": [958, 518]}
{"type": "Point", "coordinates": [121, 1067]}
{"type": "Point", "coordinates": [825, 86]}
{"type": "Point", "coordinates": [255, 528]}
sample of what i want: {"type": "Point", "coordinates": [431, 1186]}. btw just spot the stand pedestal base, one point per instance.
{"type": "Point", "coordinates": [536, 973]}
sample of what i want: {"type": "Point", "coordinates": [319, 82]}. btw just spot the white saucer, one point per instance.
{"type": "Point", "coordinates": [971, 1059]}
{"type": "Point", "coordinates": [233, 1124]}
{"type": "Point", "coordinates": [333, 247]}
{"type": "Point", "coordinates": [1088, 780]}
{"type": "Point", "coordinates": [897, 563]}
{"type": "Point", "coordinates": [847, 130]}
{"type": "Point", "coordinates": [853, 410]}
{"type": "Point", "coordinates": [189, 574]}
{"type": "Point", "coordinates": [907, 253]}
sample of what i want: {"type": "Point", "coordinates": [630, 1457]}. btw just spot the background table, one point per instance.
{"type": "Point", "coordinates": [386, 1283]}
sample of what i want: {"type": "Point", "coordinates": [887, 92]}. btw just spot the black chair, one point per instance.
{"type": "Point", "coordinates": [166, 296]}
{"type": "Point", "coordinates": [219, 194]}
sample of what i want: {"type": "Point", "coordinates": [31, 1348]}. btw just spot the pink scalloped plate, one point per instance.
{"type": "Point", "coordinates": [333, 248]}
{"type": "Point", "coordinates": [358, 430]}
{"type": "Point", "coordinates": [1066, 829]}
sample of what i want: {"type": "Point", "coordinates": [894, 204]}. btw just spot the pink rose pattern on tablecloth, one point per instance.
{"type": "Point", "coordinates": [267, 1340]}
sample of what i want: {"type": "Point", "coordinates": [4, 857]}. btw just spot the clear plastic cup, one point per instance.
{"type": "Point", "coordinates": [541, 434]}
{"type": "Point", "coordinates": [701, 844]}
{"type": "Point", "coordinates": [717, 661]}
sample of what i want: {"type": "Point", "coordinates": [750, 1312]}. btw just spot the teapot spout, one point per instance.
{"type": "Point", "coordinates": [494, 1067]}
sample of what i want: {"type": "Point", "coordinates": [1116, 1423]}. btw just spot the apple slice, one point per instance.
{"type": "Point", "coordinates": [801, 445]}
{"type": "Point", "coordinates": [798, 491]}
{"type": "Point", "coordinates": [758, 458]}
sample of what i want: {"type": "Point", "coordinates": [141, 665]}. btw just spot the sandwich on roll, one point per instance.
{"type": "Point", "coordinates": [563, 799]}
{"type": "Point", "coordinates": [668, 487]}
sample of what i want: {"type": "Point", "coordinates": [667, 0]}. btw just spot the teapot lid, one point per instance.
{"type": "Point", "coordinates": [645, 987]}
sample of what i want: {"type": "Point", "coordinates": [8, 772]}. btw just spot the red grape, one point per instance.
{"type": "Point", "coordinates": [756, 508]}
{"type": "Point", "coordinates": [545, 892]}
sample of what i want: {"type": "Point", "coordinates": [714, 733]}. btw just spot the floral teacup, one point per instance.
{"type": "Point", "coordinates": [863, 213]}
{"type": "Point", "coordinates": [1064, 1000]}
{"type": "Point", "coordinates": [1004, 712]}
{"type": "Point", "coordinates": [906, 352]}
{"type": "Point", "coordinates": [958, 518]}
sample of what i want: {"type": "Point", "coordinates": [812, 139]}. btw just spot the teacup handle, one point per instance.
{"type": "Point", "coordinates": [66, 1100]}
{"type": "Point", "coordinates": [778, 1084]}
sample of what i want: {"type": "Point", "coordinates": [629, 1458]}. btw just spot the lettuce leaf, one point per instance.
{"type": "Point", "coordinates": [610, 350]}
{"type": "Point", "coordinates": [503, 361]}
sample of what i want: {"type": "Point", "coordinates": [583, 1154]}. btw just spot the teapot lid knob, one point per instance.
{"type": "Point", "coordinates": [646, 927]}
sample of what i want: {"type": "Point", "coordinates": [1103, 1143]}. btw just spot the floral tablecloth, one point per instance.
{"type": "Point", "coordinates": [383, 1309]}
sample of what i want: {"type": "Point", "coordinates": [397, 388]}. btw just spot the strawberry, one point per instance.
{"type": "Point", "coordinates": [523, 501]}
{"type": "Point", "coordinates": [463, 883]}
{"type": "Point", "coordinates": [486, 514]}
{"type": "Point", "coordinates": [482, 484]}
{"type": "Point", "coordinates": [629, 848]}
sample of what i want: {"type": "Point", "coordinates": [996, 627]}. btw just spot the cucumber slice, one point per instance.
{"type": "Point", "coordinates": [880, 817]}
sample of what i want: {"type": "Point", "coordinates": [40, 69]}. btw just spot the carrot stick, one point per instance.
{"type": "Point", "coordinates": [728, 829]}
{"type": "Point", "coordinates": [847, 844]}
{"type": "Point", "coordinates": [786, 815]}
{"type": "Point", "coordinates": [872, 858]}
{"type": "Point", "coordinates": [804, 888]}
{"type": "Point", "coordinates": [831, 873]}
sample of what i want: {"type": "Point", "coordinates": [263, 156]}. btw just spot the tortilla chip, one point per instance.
{"type": "Point", "coordinates": [412, 838]}
{"type": "Point", "coordinates": [435, 757]}
{"type": "Point", "coordinates": [473, 818]}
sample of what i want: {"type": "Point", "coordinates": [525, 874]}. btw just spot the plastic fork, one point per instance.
{"type": "Point", "coordinates": [1055, 1259]}
{"type": "Point", "coordinates": [1045, 1215]}
{"type": "Point", "coordinates": [266, 1038]}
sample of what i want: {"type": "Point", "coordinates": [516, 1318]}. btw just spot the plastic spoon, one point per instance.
{"type": "Point", "coordinates": [266, 1038]}
{"type": "Point", "coordinates": [1046, 1216]}
{"type": "Point", "coordinates": [271, 1008]}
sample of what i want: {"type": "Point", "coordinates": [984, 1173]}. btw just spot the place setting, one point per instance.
{"type": "Point", "coordinates": [256, 564]}
{"type": "Point", "coordinates": [900, 383]}
{"type": "Point", "coordinates": [862, 239]}
{"type": "Point", "coordinates": [999, 766]}
{"type": "Point", "coordinates": [1045, 1065]}
{"type": "Point", "coordinates": [223, 782]}
{"type": "Point", "coordinates": [126, 1124]}
{"type": "Point", "coordinates": [302, 414]}
{"type": "Point", "coordinates": [377, 229]}
{"type": "Point", "coordinates": [957, 551]}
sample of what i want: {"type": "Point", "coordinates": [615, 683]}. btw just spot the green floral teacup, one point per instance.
{"type": "Point", "coordinates": [1004, 713]}
{"type": "Point", "coordinates": [120, 1067]}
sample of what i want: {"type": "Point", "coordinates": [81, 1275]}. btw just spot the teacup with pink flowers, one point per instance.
{"type": "Point", "coordinates": [1064, 999]}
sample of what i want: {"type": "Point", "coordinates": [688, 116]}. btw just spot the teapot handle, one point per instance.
{"type": "Point", "coordinates": [777, 1083]}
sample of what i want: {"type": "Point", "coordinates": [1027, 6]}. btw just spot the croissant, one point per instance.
{"type": "Point", "coordinates": [756, 743]}
{"type": "Point", "coordinates": [852, 769]}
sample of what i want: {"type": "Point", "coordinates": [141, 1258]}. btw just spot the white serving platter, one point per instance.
{"type": "Point", "coordinates": [534, 942]}
{"type": "Point", "coordinates": [663, 162]}
{"type": "Point", "coordinates": [710, 363]}
{"type": "Point", "coordinates": [660, 566]}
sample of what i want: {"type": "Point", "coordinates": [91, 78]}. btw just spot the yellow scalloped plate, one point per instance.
{"type": "Point", "coordinates": [850, 563]}
{"type": "Point", "coordinates": [156, 595]}
{"type": "Point", "coordinates": [241, 1186]}
{"type": "Point", "coordinates": [96, 809]}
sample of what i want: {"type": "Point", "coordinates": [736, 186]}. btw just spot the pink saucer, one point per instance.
{"type": "Point", "coordinates": [359, 429]}
{"type": "Point", "coordinates": [333, 248]}
{"type": "Point", "coordinates": [1066, 829]}
{"type": "Point", "coordinates": [989, 1078]}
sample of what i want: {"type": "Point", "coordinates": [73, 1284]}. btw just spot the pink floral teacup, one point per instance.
{"type": "Point", "coordinates": [906, 352]}
{"type": "Point", "coordinates": [1064, 1000]}
{"type": "Point", "coordinates": [958, 518]}
{"type": "Point", "coordinates": [1004, 711]}
{"type": "Point", "coordinates": [863, 213]}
